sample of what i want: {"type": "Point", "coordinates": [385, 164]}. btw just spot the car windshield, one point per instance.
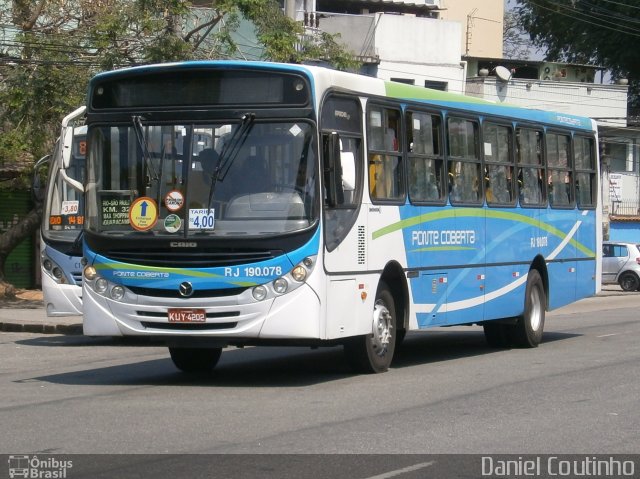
{"type": "Point", "coordinates": [226, 179]}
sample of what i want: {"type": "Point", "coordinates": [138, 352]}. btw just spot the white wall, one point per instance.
{"type": "Point", "coordinates": [607, 104]}
{"type": "Point", "coordinates": [405, 46]}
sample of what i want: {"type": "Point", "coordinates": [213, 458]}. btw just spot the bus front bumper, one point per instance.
{"type": "Point", "coordinates": [295, 315]}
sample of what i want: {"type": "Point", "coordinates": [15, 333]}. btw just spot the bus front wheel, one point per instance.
{"type": "Point", "coordinates": [195, 360]}
{"type": "Point", "coordinates": [527, 332]}
{"type": "Point", "coordinates": [372, 353]}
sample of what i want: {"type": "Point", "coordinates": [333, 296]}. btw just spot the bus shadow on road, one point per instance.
{"type": "Point", "coordinates": [263, 366]}
{"type": "Point", "coordinates": [249, 367]}
{"type": "Point", "coordinates": [435, 345]}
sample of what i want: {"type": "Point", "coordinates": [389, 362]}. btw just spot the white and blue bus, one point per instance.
{"type": "Point", "coordinates": [62, 221]}
{"type": "Point", "coordinates": [240, 203]}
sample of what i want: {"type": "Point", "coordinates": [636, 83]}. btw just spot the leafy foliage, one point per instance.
{"type": "Point", "coordinates": [601, 32]}
{"type": "Point", "coordinates": [51, 48]}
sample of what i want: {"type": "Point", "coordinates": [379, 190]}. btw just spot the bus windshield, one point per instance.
{"type": "Point", "coordinates": [243, 178]}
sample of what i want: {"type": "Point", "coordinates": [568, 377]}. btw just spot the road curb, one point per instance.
{"type": "Point", "coordinates": [67, 329]}
{"type": "Point", "coordinates": [11, 323]}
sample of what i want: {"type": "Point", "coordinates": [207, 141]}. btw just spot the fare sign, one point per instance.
{"type": "Point", "coordinates": [181, 315]}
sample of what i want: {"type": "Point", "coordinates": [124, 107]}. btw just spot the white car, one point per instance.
{"type": "Point", "coordinates": [621, 264]}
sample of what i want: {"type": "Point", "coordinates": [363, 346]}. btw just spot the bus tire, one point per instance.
{"type": "Point", "coordinates": [372, 353]}
{"type": "Point", "coordinates": [527, 332]}
{"type": "Point", "coordinates": [195, 360]}
{"type": "Point", "coordinates": [497, 334]}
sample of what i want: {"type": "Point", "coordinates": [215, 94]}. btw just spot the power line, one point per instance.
{"type": "Point", "coordinates": [616, 27]}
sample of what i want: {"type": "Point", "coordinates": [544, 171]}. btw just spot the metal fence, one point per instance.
{"type": "Point", "coordinates": [625, 208]}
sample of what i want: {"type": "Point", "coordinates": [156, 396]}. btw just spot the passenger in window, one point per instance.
{"type": "Point", "coordinates": [530, 188]}
{"type": "Point", "coordinates": [498, 190]}
{"type": "Point", "coordinates": [432, 192]}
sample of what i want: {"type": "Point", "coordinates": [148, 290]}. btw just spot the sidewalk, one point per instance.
{"type": "Point", "coordinates": [26, 314]}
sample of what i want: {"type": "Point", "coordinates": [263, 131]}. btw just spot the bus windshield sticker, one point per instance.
{"type": "Point", "coordinates": [69, 207]}
{"type": "Point", "coordinates": [295, 130]}
{"type": "Point", "coordinates": [143, 213]}
{"type": "Point", "coordinates": [114, 209]}
{"type": "Point", "coordinates": [201, 219]}
{"type": "Point", "coordinates": [172, 223]}
{"type": "Point", "coordinates": [174, 200]}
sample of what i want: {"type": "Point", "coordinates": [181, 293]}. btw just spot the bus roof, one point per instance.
{"type": "Point", "coordinates": [325, 78]}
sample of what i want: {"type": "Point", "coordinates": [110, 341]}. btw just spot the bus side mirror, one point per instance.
{"type": "Point", "coordinates": [332, 168]}
{"type": "Point", "coordinates": [37, 191]}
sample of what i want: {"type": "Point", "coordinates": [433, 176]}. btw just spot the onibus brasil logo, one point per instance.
{"type": "Point", "coordinates": [33, 467]}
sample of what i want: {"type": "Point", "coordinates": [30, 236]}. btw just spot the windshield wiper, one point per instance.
{"type": "Point", "coordinates": [76, 246]}
{"type": "Point", "coordinates": [229, 152]}
{"type": "Point", "coordinates": [138, 127]}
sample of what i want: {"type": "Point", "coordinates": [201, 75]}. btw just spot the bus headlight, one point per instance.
{"type": "Point", "coordinates": [259, 293]}
{"type": "Point", "coordinates": [90, 273]}
{"type": "Point", "coordinates": [53, 270]}
{"type": "Point", "coordinates": [286, 283]}
{"type": "Point", "coordinates": [299, 273]}
{"type": "Point", "coordinates": [117, 293]}
{"type": "Point", "coordinates": [280, 285]}
{"type": "Point", "coordinates": [101, 285]}
{"type": "Point", "coordinates": [57, 273]}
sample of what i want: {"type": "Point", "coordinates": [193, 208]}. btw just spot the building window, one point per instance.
{"type": "Point", "coordinates": [407, 81]}
{"type": "Point", "coordinates": [436, 85]}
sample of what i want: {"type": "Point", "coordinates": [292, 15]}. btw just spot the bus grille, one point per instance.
{"type": "Point", "coordinates": [188, 326]}
{"type": "Point", "coordinates": [77, 277]}
{"type": "Point", "coordinates": [175, 259]}
{"type": "Point", "coordinates": [197, 293]}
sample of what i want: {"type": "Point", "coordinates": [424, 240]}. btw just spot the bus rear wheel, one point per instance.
{"type": "Point", "coordinates": [372, 353]}
{"type": "Point", "coordinates": [527, 332]}
{"type": "Point", "coordinates": [195, 360]}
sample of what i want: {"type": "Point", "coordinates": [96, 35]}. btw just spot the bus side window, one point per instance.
{"type": "Point", "coordinates": [560, 183]}
{"type": "Point", "coordinates": [585, 174]}
{"type": "Point", "coordinates": [464, 161]}
{"type": "Point", "coordinates": [386, 178]}
{"type": "Point", "coordinates": [499, 188]}
{"type": "Point", "coordinates": [530, 167]}
{"type": "Point", "coordinates": [425, 160]}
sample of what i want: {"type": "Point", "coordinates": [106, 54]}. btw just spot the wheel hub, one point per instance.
{"type": "Point", "coordinates": [535, 318]}
{"type": "Point", "coordinates": [381, 328]}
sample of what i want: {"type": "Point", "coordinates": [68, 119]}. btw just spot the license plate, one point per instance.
{"type": "Point", "coordinates": [187, 315]}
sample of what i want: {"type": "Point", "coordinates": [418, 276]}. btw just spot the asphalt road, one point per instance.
{"type": "Point", "coordinates": [447, 392]}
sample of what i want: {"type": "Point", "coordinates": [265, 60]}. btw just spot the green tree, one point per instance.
{"type": "Point", "coordinates": [600, 32]}
{"type": "Point", "coordinates": [515, 43]}
{"type": "Point", "coordinates": [51, 48]}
